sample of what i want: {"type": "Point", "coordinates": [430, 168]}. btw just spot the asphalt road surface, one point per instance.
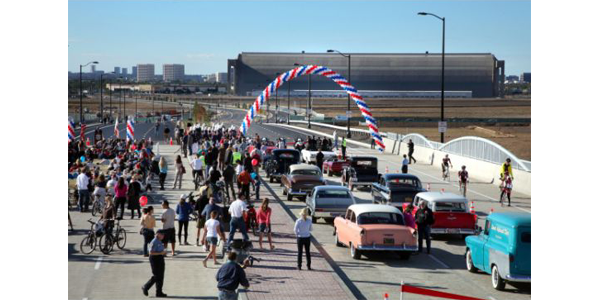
{"type": "Point", "coordinates": [367, 278]}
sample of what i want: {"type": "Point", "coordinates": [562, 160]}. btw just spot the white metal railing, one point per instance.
{"type": "Point", "coordinates": [341, 128]}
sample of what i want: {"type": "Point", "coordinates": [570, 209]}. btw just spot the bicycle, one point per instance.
{"type": "Point", "coordinates": [463, 188]}
{"type": "Point", "coordinates": [506, 189]}
{"type": "Point", "coordinates": [445, 172]}
{"type": "Point", "coordinates": [89, 242]}
{"type": "Point", "coordinates": [108, 240]}
{"type": "Point", "coordinates": [97, 206]}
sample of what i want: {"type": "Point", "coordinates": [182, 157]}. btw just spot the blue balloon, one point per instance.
{"type": "Point", "coordinates": [82, 158]}
{"type": "Point", "coordinates": [253, 175]}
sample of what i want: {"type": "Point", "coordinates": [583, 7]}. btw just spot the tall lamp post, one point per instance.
{"type": "Point", "coordinates": [101, 101]}
{"type": "Point", "coordinates": [289, 111]}
{"type": "Point", "coordinates": [348, 133]}
{"type": "Point", "coordinates": [81, 90]}
{"type": "Point", "coordinates": [308, 100]}
{"type": "Point", "coordinates": [276, 102]}
{"type": "Point", "coordinates": [443, 58]}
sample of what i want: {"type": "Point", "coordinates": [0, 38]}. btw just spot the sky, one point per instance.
{"type": "Point", "coordinates": [202, 35]}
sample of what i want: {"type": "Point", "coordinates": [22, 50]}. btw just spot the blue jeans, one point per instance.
{"type": "Point", "coordinates": [234, 224]}
{"type": "Point", "coordinates": [226, 295]}
{"type": "Point", "coordinates": [84, 200]}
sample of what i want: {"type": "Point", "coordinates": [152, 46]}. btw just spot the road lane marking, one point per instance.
{"type": "Point", "coordinates": [98, 263]}
{"type": "Point", "coordinates": [491, 298]}
{"type": "Point", "coordinates": [439, 261]}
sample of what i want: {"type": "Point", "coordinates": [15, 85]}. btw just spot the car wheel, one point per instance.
{"type": "Point", "coordinates": [469, 260]}
{"type": "Point", "coordinates": [404, 255]}
{"type": "Point", "coordinates": [355, 253]}
{"type": "Point", "coordinates": [289, 197]}
{"type": "Point", "coordinates": [497, 282]}
{"type": "Point", "coordinates": [337, 240]}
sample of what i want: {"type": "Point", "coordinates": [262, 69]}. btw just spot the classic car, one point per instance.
{"type": "Point", "coordinates": [361, 172]}
{"type": "Point", "coordinates": [502, 249]}
{"type": "Point", "coordinates": [280, 162]}
{"type": "Point", "coordinates": [310, 157]}
{"type": "Point", "coordinates": [450, 211]}
{"type": "Point", "coordinates": [329, 201]}
{"type": "Point", "coordinates": [396, 189]}
{"type": "Point", "coordinates": [373, 227]}
{"type": "Point", "coordinates": [334, 166]}
{"type": "Point", "coordinates": [301, 180]}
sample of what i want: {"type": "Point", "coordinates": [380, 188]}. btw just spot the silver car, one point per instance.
{"type": "Point", "coordinates": [329, 201]}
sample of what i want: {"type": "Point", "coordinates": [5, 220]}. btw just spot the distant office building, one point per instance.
{"type": "Point", "coordinates": [481, 74]}
{"type": "Point", "coordinates": [145, 72]}
{"type": "Point", "coordinates": [211, 78]}
{"type": "Point", "coordinates": [134, 72]}
{"type": "Point", "coordinates": [124, 71]}
{"type": "Point", "coordinates": [173, 72]}
{"type": "Point", "coordinates": [221, 77]}
{"type": "Point", "coordinates": [93, 68]}
{"type": "Point", "coordinates": [117, 70]}
{"type": "Point", "coordinates": [526, 77]}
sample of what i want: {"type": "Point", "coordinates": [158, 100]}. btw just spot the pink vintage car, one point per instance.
{"type": "Point", "coordinates": [373, 227]}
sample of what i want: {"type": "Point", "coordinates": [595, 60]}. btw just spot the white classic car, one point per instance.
{"type": "Point", "coordinates": [310, 157]}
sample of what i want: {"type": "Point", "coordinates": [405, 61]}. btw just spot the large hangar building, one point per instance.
{"type": "Point", "coordinates": [395, 75]}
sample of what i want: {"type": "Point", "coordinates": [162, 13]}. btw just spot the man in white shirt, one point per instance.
{"type": "Point", "coordinates": [236, 210]}
{"type": "Point", "coordinates": [168, 220]}
{"type": "Point", "coordinates": [197, 166]}
{"type": "Point", "coordinates": [82, 191]}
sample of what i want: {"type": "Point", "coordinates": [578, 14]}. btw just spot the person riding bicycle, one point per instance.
{"type": "Point", "coordinates": [463, 177]}
{"type": "Point", "coordinates": [197, 166]}
{"type": "Point", "coordinates": [506, 187]}
{"type": "Point", "coordinates": [446, 163]}
{"type": "Point", "coordinates": [506, 168]}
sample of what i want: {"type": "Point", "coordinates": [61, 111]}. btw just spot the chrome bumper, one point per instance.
{"type": "Point", "coordinates": [452, 231]}
{"type": "Point", "coordinates": [518, 278]}
{"type": "Point", "coordinates": [324, 214]}
{"type": "Point", "coordinates": [387, 248]}
{"type": "Point", "coordinates": [298, 193]}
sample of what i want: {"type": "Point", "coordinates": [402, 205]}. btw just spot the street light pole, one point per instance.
{"type": "Point", "coordinates": [443, 62]}
{"type": "Point", "coordinates": [276, 101]}
{"type": "Point", "coordinates": [289, 112]}
{"type": "Point", "coordinates": [101, 101]}
{"type": "Point", "coordinates": [110, 99]}
{"type": "Point", "coordinates": [81, 90]}
{"type": "Point", "coordinates": [348, 133]}
{"type": "Point", "coordinates": [309, 100]}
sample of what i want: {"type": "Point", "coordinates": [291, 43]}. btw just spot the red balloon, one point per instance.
{"type": "Point", "coordinates": [143, 200]}
{"type": "Point", "coordinates": [255, 162]}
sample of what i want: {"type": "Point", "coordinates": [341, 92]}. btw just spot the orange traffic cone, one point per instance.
{"type": "Point", "coordinates": [87, 142]}
{"type": "Point", "coordinates": [387, 170]}
{"type": "Point", "coordinates": [442, 191]}
{"type": "Point", "coordinates": [386, 296]}
{"type": "Point", "coordinates": [171, 142]}
{"type": "Point", "coordinates": [491, 211]}
{"type": "Point", "coordinates": [472, 207]}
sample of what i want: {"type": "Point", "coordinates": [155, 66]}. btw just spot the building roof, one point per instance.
{"type": "Point", "coordinates": [363, 208]}
{"type": "Point", "coordinates": [439, 196]}
{"type": "Point", "coordinates": [512, 219]}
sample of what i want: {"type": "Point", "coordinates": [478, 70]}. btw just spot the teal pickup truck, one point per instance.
{"type": "Point", "coordinates": [502, 248]}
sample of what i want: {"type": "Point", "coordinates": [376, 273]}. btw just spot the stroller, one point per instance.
{"type": "Point", "coordinates": [242, 249]}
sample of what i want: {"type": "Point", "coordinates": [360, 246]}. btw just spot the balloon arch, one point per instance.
{"type": "Point", "coordinates": [317, 70]}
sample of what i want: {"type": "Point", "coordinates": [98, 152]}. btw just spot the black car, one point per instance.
{"type": "Point", "coordinates": [361, 172]}
{"type": "Point", "coordinates": [280, 162]}
{"type": "Point", "coordinates": [396, 189]}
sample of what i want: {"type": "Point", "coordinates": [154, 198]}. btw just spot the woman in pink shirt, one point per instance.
{"type": "Point", "coordinates": [120, 196]}
{"type": "Point", "coordinates": [264, 222]}
{"type": "Point", "coordinates": [409, 219]}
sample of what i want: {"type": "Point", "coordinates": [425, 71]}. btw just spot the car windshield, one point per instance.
{"type": "Point", "coordinates": [404, 182]}
{"type": "Point", "coordinates": [450, 206]}
{"type": "Point", "coordinates": [306, 172]}
{"type": "Point", "coordinates": [380, 218]}
{"type": "Point", "coordinates": [333, 194]}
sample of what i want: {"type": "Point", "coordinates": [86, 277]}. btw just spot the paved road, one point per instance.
{"type": "Point", "coordinates": [443, 270]}
{"type": "Point", "coordinates": [94, 276]}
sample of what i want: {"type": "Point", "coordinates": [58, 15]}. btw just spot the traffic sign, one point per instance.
{"type": "Point", "coordinates": [442, 126]}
